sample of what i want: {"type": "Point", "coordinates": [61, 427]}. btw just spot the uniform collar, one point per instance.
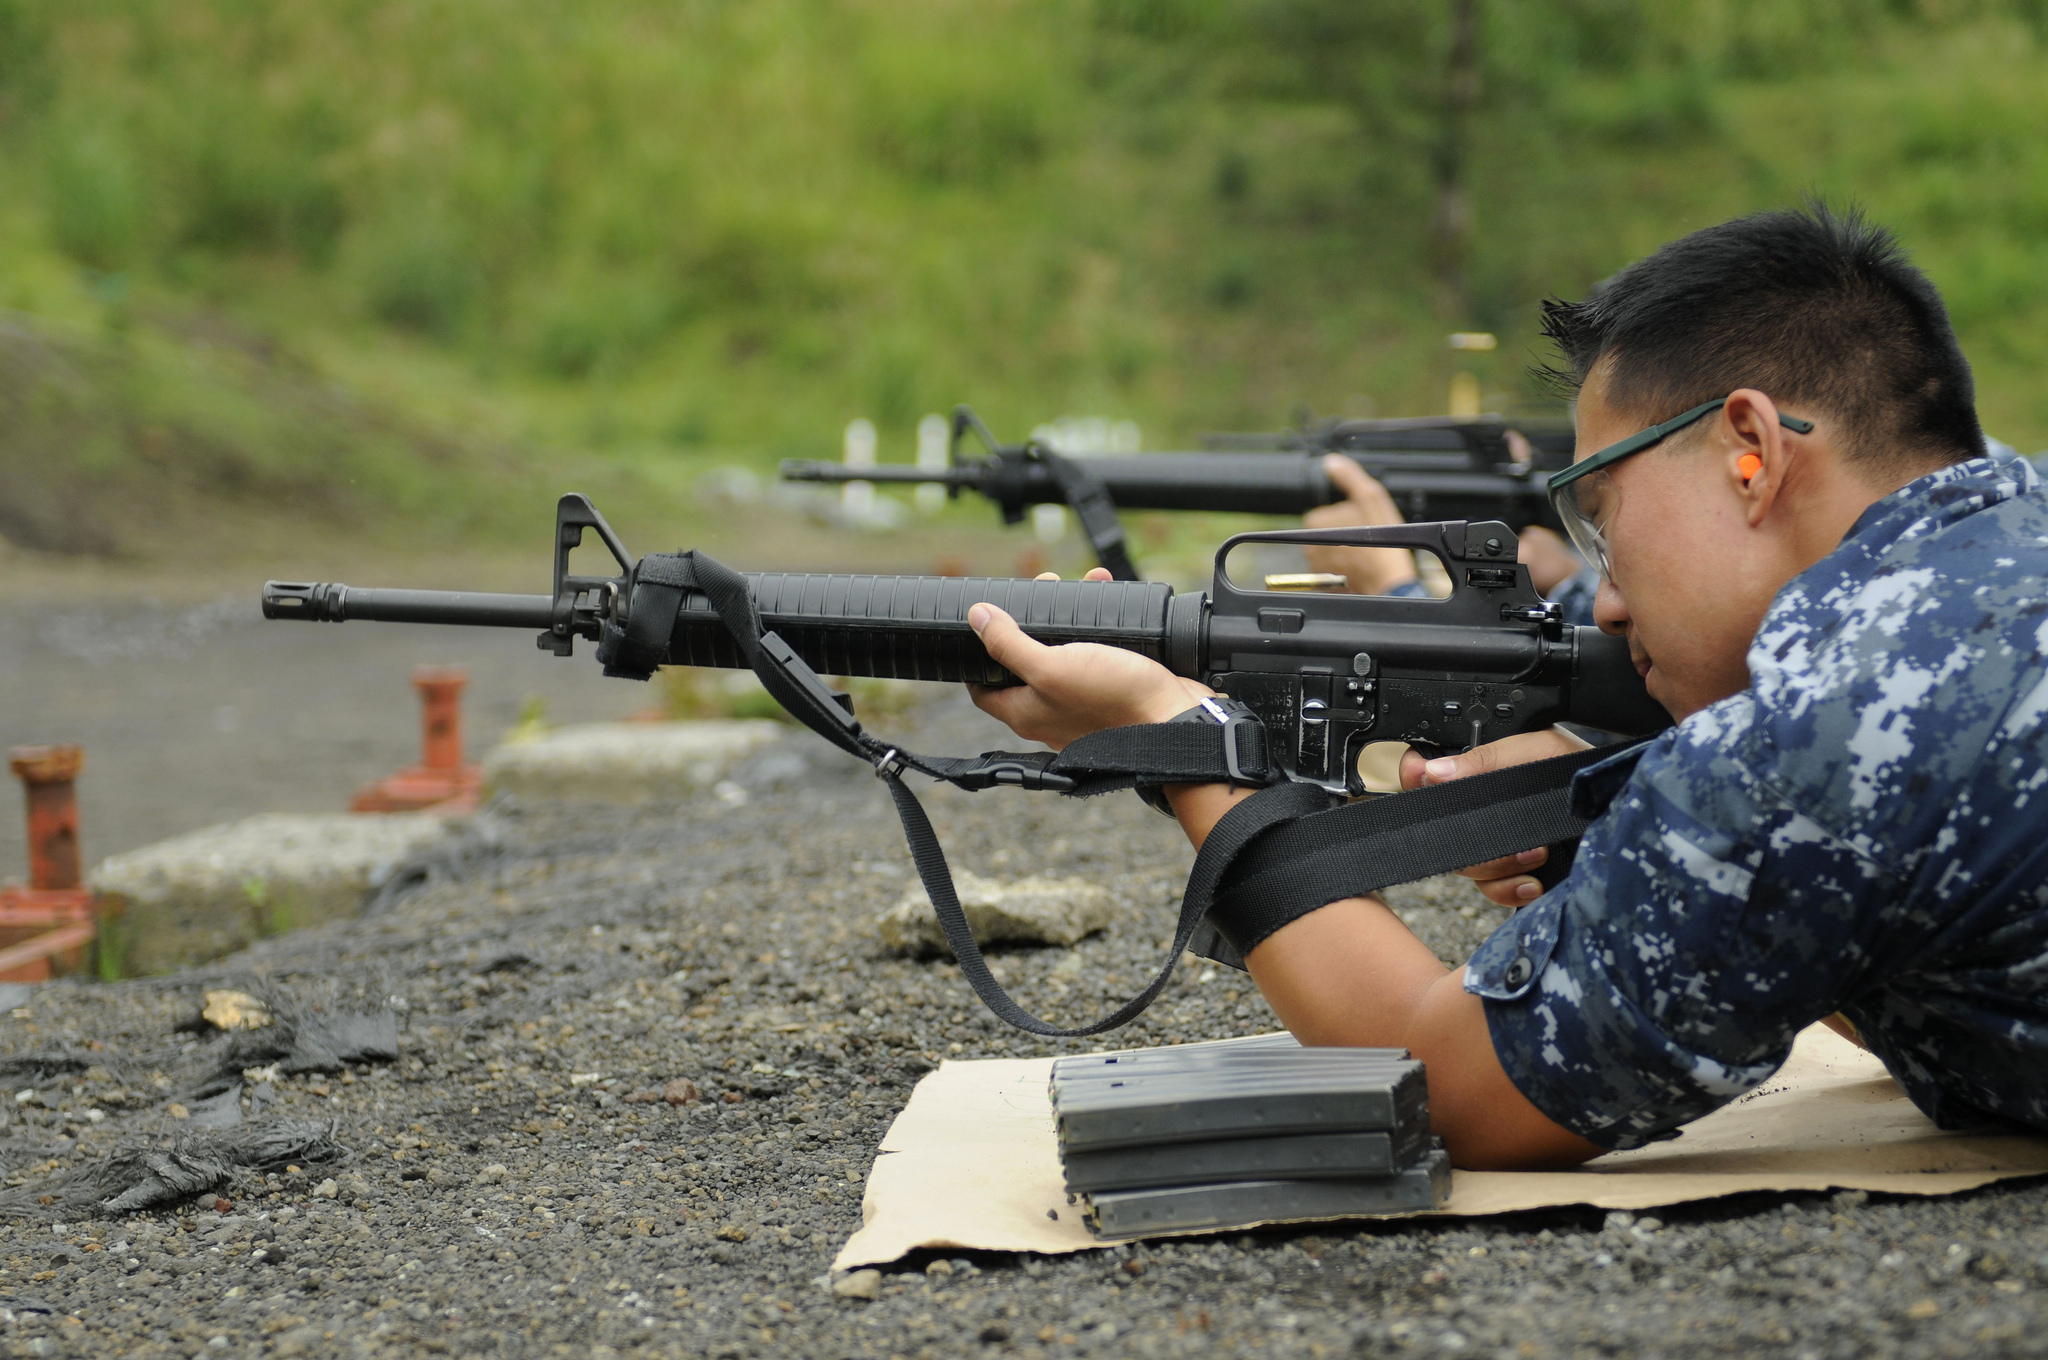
{"type": "Point", "coordinates": [1942, 497]}
{"type": "Point", "coordinates": [1595, 785]}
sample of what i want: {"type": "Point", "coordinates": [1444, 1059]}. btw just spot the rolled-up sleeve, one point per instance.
{"type": "Point", "coordinates": [1703, 924]}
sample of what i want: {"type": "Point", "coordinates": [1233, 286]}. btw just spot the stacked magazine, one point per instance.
{"type": "Point", "coordinates": [1219, 1135]}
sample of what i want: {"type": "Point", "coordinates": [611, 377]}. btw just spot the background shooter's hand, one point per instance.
{"type": "Point", "coordinates": [1076, 688]}
{"type": "Point", "coordinates": [1505, 881]}
{"type": "Point", "coordinates": [1369, 571]}
{"type": "Point", "coordinates": [1550, 560]}
{"type": "Point", "coordinates": [1375, 571]}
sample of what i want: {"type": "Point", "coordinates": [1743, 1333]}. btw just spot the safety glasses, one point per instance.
{"type": "Point", "coordinates": [1585, 494]}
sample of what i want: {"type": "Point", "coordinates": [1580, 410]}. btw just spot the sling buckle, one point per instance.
{"type": "Point", "coordinates": [1231, 724]}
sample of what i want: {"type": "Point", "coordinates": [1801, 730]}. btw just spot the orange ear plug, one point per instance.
{"type": "Point", "coordinates": [1749, 465]}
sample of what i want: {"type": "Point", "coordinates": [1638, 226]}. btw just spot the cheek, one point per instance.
{"type": "Point", "coordinates": [1657, 553]}
{"type": "Point", "coordinates": [1682, 578]}
{"type": "Point", "coordinates": [1672, 558]}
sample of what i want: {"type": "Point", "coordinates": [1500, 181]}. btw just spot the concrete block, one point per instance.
{"type": "Point", "coordinates": [625, 762]}
{"type": "Point", "coordinates": [200, 896]}
{"type": "Point", "coordinates": [1057, 911]}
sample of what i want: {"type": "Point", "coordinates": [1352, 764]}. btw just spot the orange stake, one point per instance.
{"type": "Point", "coordinates": [440, 781]}
{"type": "Point", "coordinates": [30, 950]}
{"type": "Point", "coordinates": [440, 690]}
{"type": "Point", "coordinates": [47, 774]}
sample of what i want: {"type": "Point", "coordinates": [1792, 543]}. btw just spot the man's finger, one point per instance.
{"type": "Point", "coordinates": [1358, 485]}
{"type": "Point", "coordinates": [1097, 574]}
{"type": "Point", "coordinates": [1507, 866]}
{"type": "Point", "coordinates": [1008, 645]}
{"type": "Point", "coordinates": [1511, 892]}
{"type": "Point", "coordinates": [1520, 749]}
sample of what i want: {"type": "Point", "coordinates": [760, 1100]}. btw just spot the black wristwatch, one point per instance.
{"type": "Point", "coordinates": [1218, 710]}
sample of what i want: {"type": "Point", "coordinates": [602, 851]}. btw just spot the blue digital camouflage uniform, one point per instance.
{"type": "Point", "coordinates": [1865, 829]}
{"type": "Point", "coordinates": [1575, 596]}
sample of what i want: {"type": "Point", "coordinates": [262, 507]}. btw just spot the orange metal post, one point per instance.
{"type": "Point", "coordinates": [440, 690]}
{"type": "Point", "coordinates": [440, 781]}
{"type": "Point", "coordinates": [47, 775]}
{"type": "Point", "coordinates": [48, 924]}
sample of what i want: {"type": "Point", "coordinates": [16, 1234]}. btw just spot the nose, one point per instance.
{"type": "Point", "coordinates": [1610, 610]}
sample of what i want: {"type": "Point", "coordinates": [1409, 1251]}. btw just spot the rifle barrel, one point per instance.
{"type": "Point", "coordinates": [1426, 484]}
{"type": "Point", "coordinates": [337, 603]}
{"type": "Point", "coordinates": [813, 470]}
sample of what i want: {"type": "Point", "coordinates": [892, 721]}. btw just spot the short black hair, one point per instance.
{"type": "Point", "coordinates": [1816, 308]}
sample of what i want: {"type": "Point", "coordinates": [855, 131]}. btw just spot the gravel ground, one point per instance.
{"type": "Point", "coordinates": [518, 1182]}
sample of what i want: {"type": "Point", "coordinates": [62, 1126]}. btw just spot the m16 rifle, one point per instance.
{"type": "Point", "coordinates": [1435, 468]}
{"type": "Point", "coordinates": [1321, 675]}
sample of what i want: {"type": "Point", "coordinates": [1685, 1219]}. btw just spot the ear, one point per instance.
{"type": "Point", "coordinates": [1754, 454]}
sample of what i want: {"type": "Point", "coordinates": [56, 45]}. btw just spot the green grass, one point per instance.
{"type": "Point", "coordinates": [412, 261]}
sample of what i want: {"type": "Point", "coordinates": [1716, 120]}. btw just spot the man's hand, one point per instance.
{"type": "Point", "coordinates": [1503, 881]}
{"type": "Point", "coordinates": [1370, 571]}
{"type": "Point", "coordinates": [1074, 689]}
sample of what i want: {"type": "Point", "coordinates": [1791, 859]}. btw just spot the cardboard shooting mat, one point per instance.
{"type": "Point", "coordinates": [971, 1163]}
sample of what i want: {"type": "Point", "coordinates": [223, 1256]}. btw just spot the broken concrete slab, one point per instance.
{"type": "Point", "coordinates": [200, 896]}
{"type": "Point", "coordinates": [1056, 911]}
{"type": "Point", "coordinates": [626, 762]}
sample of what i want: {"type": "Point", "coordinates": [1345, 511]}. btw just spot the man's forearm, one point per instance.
{"type": "Point", "coordinates": [1360, 981]}
{"type": "Point", "coordinates": [1198, 807]}
{"type": "Point", "coordinates": [1352, 975]}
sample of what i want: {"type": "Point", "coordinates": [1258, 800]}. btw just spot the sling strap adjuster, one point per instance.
{"type": "Point", "coordinates": [1232, 722]}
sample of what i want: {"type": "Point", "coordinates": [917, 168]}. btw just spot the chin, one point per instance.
{"type": "Point", "coordinates": [1678, 708]}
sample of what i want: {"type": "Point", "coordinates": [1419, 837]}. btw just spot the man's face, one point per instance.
{"type": "Point", "coordinates": [1691, 579]}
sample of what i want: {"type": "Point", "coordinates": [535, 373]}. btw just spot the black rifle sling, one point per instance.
{"type": "Point", "coordinates": [1512, 809]}
{"type": "Point", "coordinates": [1380, 842]}
{"type": "Point", "coordinates": [1095, 509]}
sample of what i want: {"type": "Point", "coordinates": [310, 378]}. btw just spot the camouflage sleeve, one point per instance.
{"type": "Point", "coordinates": [1699, 930]}
{"type": "Point", "coordinates": [1575, 596]}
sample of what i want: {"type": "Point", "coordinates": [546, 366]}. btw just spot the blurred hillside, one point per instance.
{"type": "Point", "coordinates": [420, 257]}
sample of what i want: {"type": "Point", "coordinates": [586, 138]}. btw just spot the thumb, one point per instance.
{"type": "Point", "coordinates": [1358, 485]}
{"type": "Point", "coordinates": [1008, 645]}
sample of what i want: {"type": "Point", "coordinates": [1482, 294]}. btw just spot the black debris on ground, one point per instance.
{"type": "Point", "coordinates": [179, 1170]}
{"type": "Point", "coordinates": [644, 1057]}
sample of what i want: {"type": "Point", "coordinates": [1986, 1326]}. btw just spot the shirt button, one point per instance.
{"type": "Point", "coordinates": [1518, 972]}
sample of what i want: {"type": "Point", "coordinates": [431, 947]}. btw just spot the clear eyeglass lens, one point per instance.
{"type": "Point", "coordinates": [1588, 507]}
